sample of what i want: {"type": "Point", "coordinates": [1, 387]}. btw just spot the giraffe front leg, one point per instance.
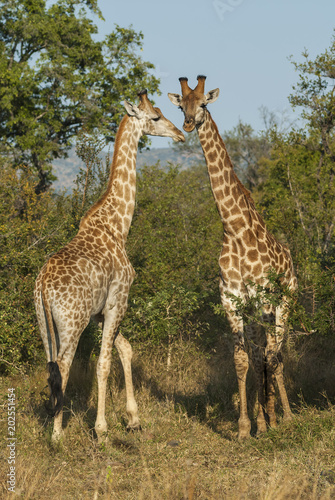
{"type": "Point", "coordinates": [125, 352]}
{"type": "Point", "coordinates": [253, 332]}
{"type": "Point", "coordinates": [241, 360]}
{"type": "Point", "coordinates": [281, 319]}
{"type": "Point", "coordinates": [270, 361]}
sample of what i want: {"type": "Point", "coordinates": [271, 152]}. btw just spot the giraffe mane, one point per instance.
{"type": "Point", "coordinates": [244, 190]}
{"type": "Point", "coordinates": [102, 199]}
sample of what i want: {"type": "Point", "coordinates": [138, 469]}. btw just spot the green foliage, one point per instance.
{"type": "Point", "coordinates": [56, 79]}
{"type": "Point", "coordinates": [271, 294]}
{"type": "Point", "coordinates": [92, 178]}
{"type": "Point", "coordinates": [31, 227]}
{"type": "Point", "coordinates": [297, 190]}
{"type": "Point", "coordinates": [323, 302]}
{"type": "Point", "coordinates": [174, 244]}
{"type": "Point", "coordinates": [247, 150]}
{"type": "Point", "coordinates": [166, 315]}
{"type": "Point", "coordinates": [296, 198]}
{"type": "Point", "coordinates": [169, 238]}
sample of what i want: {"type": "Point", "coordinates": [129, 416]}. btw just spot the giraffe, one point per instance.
{"type": "Point", "coordinates": [249, 251]}
{"type": "Point", "coordinates": [91, 276]}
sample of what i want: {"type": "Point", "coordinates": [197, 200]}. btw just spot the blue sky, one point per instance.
{"type": "Point", "coordinates": [242, 46]}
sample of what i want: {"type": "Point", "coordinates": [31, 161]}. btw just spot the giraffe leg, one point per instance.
{"type": "Point", "coordinates": [103, 369]}
{"type": "Point", "coordinates": [275, 366]}
{"type": "Point", "coordinates": [125, 352]}
{"type": "Point", "coordinates": [64, 367]}
{"type": "Point", "coordinates": [281, 319]}
{"type": "Point", "coordinates": [270, 361]}
{"type": "Point", "coordinates": [58, 419]}
{"type": "Point", "coordinates": [113, 313]}
{"type": "Point", "coordinates": [270, 385]}
{"type": "Point", "coordinates": [241, 361]}
{"type": "Point", "coordinates": [257, 349]}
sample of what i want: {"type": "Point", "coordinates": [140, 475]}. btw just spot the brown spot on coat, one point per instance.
{"type": "Point", "coordinates": [252, 255]}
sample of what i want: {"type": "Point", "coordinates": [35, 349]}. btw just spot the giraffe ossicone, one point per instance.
{"type": "Point", "coordinates": [249, 251]}
{"type": "Point", "coordinates": [91, 276]}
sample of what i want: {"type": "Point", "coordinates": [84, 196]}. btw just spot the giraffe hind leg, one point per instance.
{"type": "Point", "coordinates": [56, 392]}
{"type": "Point", "coordinates": [125, 352]}
{"type": "Point", "coordinates": [253, 332]}
{"type": "Point", "coordinates": [270, 361]}
{"type": "Point", "coordinates": [281, 319]}
{"type": "Point", "coordinates": [274, 365]}
{"type": "Point", "coordinates": [114, 311]}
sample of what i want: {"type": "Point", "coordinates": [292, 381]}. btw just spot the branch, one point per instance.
{"type": "Point", "coordinates": [3, 360]}
{"type": "Point", "coordinates": [43, 238]}
{"type": "Point", "coordinates": [328, 236]}
{"type": "Point", "coordinates": [296, 200]}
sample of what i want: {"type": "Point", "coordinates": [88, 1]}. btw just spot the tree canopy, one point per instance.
{"type": "Point", "coordinates": [56, 78]}
{"type": "Point", "coordinates": [298, 181]}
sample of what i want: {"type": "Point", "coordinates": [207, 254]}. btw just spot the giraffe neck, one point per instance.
{"type": "Point", "coordinates": [233, 201]}
{"type": "Point", "coordinates": [114, 210]}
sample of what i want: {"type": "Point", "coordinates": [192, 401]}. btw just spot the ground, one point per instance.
{"type": "Point", "coordinates": [188, 448]}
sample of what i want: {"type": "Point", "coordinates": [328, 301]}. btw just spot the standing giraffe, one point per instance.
{"type": "Point", "coordinates": [249, 251]}
{"type": "Point", "coordinates": [91, 276]}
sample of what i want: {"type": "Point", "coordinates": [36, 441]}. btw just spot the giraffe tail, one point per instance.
{"type": "Point", "coordinates": [55, 376]}
{"type": "Point", "coordinates": [55, 385]}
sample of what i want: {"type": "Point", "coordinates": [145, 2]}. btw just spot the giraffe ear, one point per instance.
{"type": "Point", "coordinates": [212, 96]}
{"type": "Point", "coordinates": [175, 99]}
{"type": "Point", "coordinates": [133, 110]}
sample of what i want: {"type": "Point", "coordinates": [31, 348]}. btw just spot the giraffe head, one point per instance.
{"type": "Point", "coordinates": [151, 120]}
{"type": "Point", "coordinates": [193, 102]}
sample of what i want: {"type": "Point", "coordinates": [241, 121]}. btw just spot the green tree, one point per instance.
{"type": "Point", "coordinates": [174, 244]}
{"type": "Point", "coordinates": [314, 93]}
{"type": "Point", "coordinates": [26, 239]}
{"type": "Point", "coordinates": [57, 78]}
{"type": "Point", "coordinates": [298, 191]}
{"type": "Point", "coordinates": [247, 149]}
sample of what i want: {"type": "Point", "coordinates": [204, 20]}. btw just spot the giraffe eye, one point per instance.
{"type": "Point", "coordinates": [156, 119]}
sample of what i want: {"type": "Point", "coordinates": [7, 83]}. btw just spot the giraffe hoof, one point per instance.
{"type": "Point", "coordinates": [244, 427]}
{"type": "Point", "coordinates": [288, 417]}
{"type": "Point", "coordinates": [134, 428]}
{"type": "Point", "coordinates": [56, 438]}
{"type": "Point", "coordinates": [273, 423]}
{"type": "Point", "coordinates": [261, 426]}
{"type": "Point", "coordinates": [102, 438]}
{"type": "Point", "coordinates": [242, 436]}
{"type": "Point", "coordinates": [261, 430]}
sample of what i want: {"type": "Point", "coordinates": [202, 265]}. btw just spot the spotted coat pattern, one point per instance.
{"type": "Point", "coordinates": [91, 276]}
{"type": "Point", "coordinates": [248, 252]}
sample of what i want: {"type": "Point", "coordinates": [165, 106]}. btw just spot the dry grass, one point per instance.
{"type": "Point", "coordinates": [187, 449]}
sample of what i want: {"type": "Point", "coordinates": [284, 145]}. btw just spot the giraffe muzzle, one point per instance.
{"type": "Point", "coordinates": [178, 137]}
{"type": "Point", "coordinates": [189, 124]}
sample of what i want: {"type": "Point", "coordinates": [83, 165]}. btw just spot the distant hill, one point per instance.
{"type": "Point", "coordinates": [67, 169]}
